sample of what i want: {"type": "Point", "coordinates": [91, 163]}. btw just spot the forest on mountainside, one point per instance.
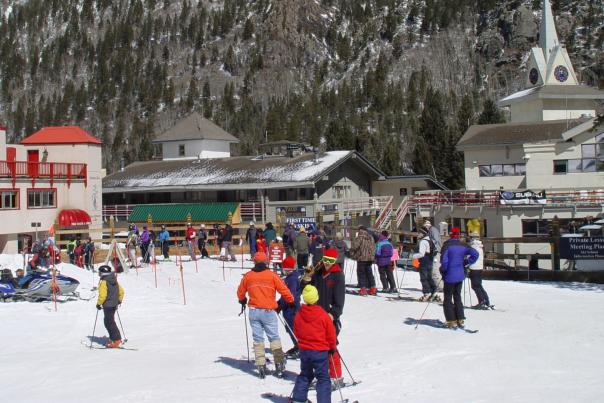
{"type": "Point", "coordinates": [398, 80]}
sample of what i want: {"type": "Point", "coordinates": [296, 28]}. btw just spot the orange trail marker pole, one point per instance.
{"type": "Point", "coordinates": [182, 282]}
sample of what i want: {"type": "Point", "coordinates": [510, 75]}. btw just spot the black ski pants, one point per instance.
{"type": "Point", "coordinates": [387, 277]}
{"type": "Point", "coordinates": [302, 260]}
{"type": "Point", "coordinates": [114, 332]}
{"type": "Point", "coordinates": [365, 274]}
{"type": "Point", "coordinates": [145, 252]}
{"type": "Point", "coordinates": [452, 304]}
{"type": "Point", "coordinates": [476, 281]}
{"type": "Point", "coordinates": [165, 250]}
{"type": "Point", "coordinates": [425, 275]}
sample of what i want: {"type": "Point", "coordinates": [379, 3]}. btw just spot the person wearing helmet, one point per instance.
{"type": "Point", "coordinates": [111, 295]}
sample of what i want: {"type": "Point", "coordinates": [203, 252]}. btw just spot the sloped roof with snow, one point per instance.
{"type": "Point", "coordinates": [195, 127]}
{"type": "Point", "coordinates": [61, 135]}
{"type": "Point", "coordinates": [230, 173]}
{"type": "Point", "coordinates": [553, 92]}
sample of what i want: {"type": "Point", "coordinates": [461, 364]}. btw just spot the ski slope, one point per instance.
{"type": "Point", "coordinates": [543, 344]}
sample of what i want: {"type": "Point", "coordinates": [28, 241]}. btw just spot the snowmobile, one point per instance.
{"type": "Point", "coordinates": [36, 286]}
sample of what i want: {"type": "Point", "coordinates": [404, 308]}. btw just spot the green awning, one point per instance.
{"type": "Point", "coordinates": [200, 212]}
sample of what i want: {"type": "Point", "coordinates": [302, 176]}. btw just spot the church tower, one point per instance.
{"type": "Point", "coordinates": [553, 90]}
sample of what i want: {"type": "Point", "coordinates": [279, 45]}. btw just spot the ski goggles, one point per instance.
{"type": "Point", "coordinates": [327, 259]}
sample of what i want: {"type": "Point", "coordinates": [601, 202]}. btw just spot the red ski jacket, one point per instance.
{"type": "Point", "coordinates": [314, 329]}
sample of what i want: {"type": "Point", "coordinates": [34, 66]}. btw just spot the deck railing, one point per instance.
{"type": "Point", "coordinates": [44, 171]}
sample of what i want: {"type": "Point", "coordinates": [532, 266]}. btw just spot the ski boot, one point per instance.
{"type": "Point", "coordinates": [279, 356]}
{"type": "Point", "coordinates": [461, 323]}
{"type": "Point", "coordinates": [392, 290]}
{"type": "Point", "coordinates": [451, 324]}
{"type": "Point", "coordinates": [435, 297]}
{"type": "Point", "coordinates": [337, 383]}
{"type": "Point", "coordinates": [262, 371]}
{"type": "Point", "coordinates": [424, 298]}
{"type": "Point", "coordinates": [113, 344]}
{"type": "Point", "coordinates": [293, 353]}
{"type": "Point", "coordinates": [363, 292]}
{"type": "Point", "coordinates": [372, 291]}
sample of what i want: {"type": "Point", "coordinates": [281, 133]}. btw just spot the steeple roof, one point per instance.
{"type": "Point", "coordinates": [548, 38]}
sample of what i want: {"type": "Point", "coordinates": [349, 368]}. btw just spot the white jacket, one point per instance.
{"type": "Point", "coordinates": [476, 244]}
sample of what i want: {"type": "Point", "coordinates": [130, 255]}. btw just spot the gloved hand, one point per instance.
{"type": "Point", "coordinates": [291, 305]}
{"type": "Point", "coordinates": [99, 307]}
{"type": "Point", "coordinates": [243, 302]}
{"type": "Point", "coordinates": [333, 351]}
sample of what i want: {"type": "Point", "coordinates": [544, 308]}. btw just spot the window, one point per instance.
{"type": "Point", "coordinates": [41, 198]}
{"type": "Point", "coordinates": [181, 150]}
{"type": "Point", "coordinates": [592, 159]}
{"type": "Point", "coordinates": [560, 166]}
{"type": "Point", "coordinates": [402, 191]}
{"type": "Point", "coordinates": [9, 199]}
{"type": "Point", "coordinates": [502, 170]}
{"type": "Point", "coordinates": [340, 192]}
{"type": "Point", "coordinates": [574, 166]}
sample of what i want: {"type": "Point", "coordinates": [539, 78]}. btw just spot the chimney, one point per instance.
{"type": "Point", "coordinates": [2, 143]}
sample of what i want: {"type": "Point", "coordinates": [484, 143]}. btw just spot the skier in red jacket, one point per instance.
{"type": "Point", "coordinates": [316, 336]}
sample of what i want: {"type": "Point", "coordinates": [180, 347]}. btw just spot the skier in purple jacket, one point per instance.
{"type": "Point", "coordinates": [455, 255]}
{"type": "Point", "coordinates": [383, 258]}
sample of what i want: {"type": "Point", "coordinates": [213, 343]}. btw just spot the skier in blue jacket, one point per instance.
{"type": "Point", "coordinates": [164, 240]}
{"type": "Point", "coordinates": [455, 255]}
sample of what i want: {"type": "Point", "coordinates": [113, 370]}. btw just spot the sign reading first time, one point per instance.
{"type": "Point", "coordinates": [577, 248]}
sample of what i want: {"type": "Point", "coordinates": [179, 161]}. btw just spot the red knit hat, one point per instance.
{"type": "Point", "coordinates": [333, 253]}
{"type": "Point", "coordinates": [260, 257]}
{"type": "Point", "coordinates": [455, 231]}
{"type": "Point", "coordinates": [289, 263]}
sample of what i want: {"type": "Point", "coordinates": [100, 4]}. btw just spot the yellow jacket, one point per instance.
{"type": "Point", "coordinates": [111, 292]}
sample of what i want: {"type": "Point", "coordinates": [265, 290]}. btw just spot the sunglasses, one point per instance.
{"type": "Point", "coordinates": [327, 259]}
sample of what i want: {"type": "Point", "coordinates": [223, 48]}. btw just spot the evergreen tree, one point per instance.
{"type": "Point", "coordinates": [490, 114]}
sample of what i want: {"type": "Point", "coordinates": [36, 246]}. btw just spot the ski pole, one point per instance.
{"type": "Point", "coordinates": [347, 370]}
{"type": "Point", "coordinates": [120, 320]}
{"type": "Point", "coordinates": [470, 291]}
{"type": "Point", "coordinates": [337, 381]}
{"type": "Point", "coordinates": [286, 326]}
{"type": "Point", "coordinates": [94, 328]}
{"type": "Point", "coordinates": [247, 341]}
{"type": "Point", "coordinates": [427, 305]}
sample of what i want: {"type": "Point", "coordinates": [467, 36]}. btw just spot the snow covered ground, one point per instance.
{"type": "Point", "coordinates": [543, 344]}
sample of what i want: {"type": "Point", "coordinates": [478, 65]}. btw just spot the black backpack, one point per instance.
{"type": "Point", "coordinates": [432, 252]}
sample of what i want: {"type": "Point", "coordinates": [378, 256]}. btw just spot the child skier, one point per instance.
{"type": "Point", "coordinates": [317, 342]}
{"type": "Point", "coordinates": [111, 295]}
{"type": "Point", "coordinates": [292, 280]}
{"type": "Point", "coordinates": [261, 284]}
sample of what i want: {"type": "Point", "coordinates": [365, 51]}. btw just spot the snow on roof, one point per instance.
{"type": "Point", "coordinates": [221, 171]}
{"type": "Point", "coordinates": [519, 94]}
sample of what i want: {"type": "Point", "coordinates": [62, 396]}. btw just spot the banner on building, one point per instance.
{"type": "Point", "coordinates": [309, 223]}
{"type": "Point", "coordinates": [577, 248]}
{"type": "Point", "coordinates": [524, 197]}
{"type": "Point", "coordinates": [292, 211]}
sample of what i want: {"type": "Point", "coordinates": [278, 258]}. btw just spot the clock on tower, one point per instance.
{"type": "Point", "coordinates": [561, 73]}
{"type": "Point", "coordinates": [533, 76]}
